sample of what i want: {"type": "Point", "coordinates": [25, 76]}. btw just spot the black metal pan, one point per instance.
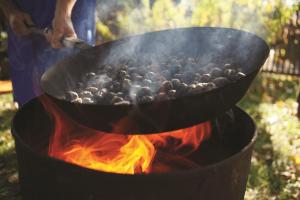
{"type": "Point", "coordinates": [220, 45]}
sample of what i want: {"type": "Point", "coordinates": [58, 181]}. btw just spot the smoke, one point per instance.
{"type": "Point", "coordinates": [160, 53]}
{"type": "Point", "coordinates": [210, 48]}
{"type": "Point", "coordinates": [213, 50]}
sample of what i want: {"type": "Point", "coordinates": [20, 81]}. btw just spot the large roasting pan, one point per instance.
{"type": "Point", "coordinates": [220, 45]}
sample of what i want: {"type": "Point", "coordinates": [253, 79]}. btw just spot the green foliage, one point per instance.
{"type": "Point", "coordinates": [265, 18]}
{"type": "Point", "coordinates": [271, 102]}
{"type": "Point", "coordinates": [8, 163]}
{"type": "Point", "coordinates": [105, 32]}
{"type": "Point", "coordinates": [6, 113]}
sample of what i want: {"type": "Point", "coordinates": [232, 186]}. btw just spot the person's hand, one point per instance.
{"type": "Point", "coordinates": [62, 24]}
{"type": "Point", "coordinates": [62, 27]}
{"type": "Point", "coordinates": [19, 22]}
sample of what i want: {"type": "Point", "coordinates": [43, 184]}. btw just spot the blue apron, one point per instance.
{"type": "Point", "coordinates": [30, 56]}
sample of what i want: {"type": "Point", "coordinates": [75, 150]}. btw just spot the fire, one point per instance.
{"type": "Point", "coordinates": [124, 154]}
{"type": "Point", "coordinates": [110, 153]}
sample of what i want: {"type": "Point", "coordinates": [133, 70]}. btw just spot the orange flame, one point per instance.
{"type": "Point", "coordinates": [124, 154]}
{"type": "Point", "coordinates": [110, 153]}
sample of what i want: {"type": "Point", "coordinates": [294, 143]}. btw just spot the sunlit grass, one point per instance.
{"type": "Point", "coordinates": [8, 164]}
{"type": "Point", "coordinates": [271, 101]}
{"type": "Point", "coordinates": [7, 110]}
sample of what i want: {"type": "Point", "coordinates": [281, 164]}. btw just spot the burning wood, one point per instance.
{"type": "Point", "coordinates": [166, 162]}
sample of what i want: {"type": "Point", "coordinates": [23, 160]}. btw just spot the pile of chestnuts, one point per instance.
{"type": "Point", "coordinates": [134, 81]}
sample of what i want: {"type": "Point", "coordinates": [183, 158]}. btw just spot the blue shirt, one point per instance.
{"type": "Point", "coordinates": [30, 56]}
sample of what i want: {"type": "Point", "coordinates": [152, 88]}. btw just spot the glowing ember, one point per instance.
{"type": "Point", "coordinates": [125, 154]}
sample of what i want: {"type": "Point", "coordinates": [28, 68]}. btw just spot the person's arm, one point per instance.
{"type": "Point", "coordinates": [62, 24]}
{"type": "Point", "coordinates": [18, 20]}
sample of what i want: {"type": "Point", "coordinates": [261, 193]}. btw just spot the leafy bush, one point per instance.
{"type": "Point", "coordinates": [265, 18]}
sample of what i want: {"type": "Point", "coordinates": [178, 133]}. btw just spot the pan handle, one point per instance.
{"type": "Point", "coordinates": [68, 42]}
{"type": "Point", "coordinates": [74, 43]}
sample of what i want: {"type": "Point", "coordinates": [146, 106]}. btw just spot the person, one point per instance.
{"type": "Point", "coordinates": [30, 55]}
